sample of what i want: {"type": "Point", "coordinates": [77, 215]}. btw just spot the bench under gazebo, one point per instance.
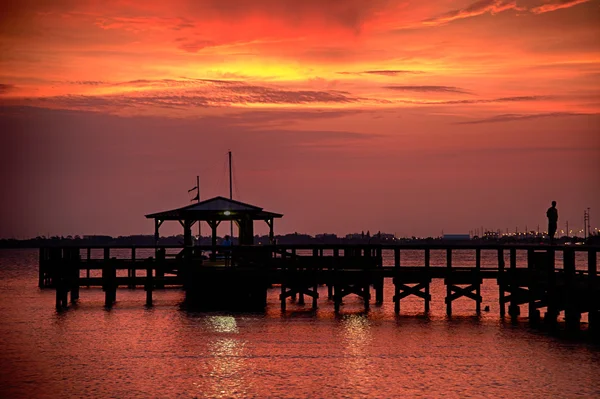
{"type": "Point", "coordinates": [214, 211]}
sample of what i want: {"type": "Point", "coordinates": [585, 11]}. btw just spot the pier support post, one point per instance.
{"type": "Point", "coordinates": [594, 311]}
{"type": "Point", "coordinates": [427, 264]}
{"type": "Point", "coordinates": [74, 258]}
{"type": "Point", "coordinates": [552, 310]}
{"type": "Point", "coordinates": [535, 265]}
{"type": "Point", "coordinates": [396, 297]}
{"type": "Point", "coordinates": [149, 282]}
{"type": "Point", "coordinates": [160, 268]}
{"type": "Point", "coordinates": [379, 285]}
{"type": "Point", "coordinates": [43, 257]}
{"type": "Point", "coordinates": [478, 278]}
{"type": "Point", "coordinates": [282, 296]}
{"type": "Point", "coordinates": [87, 271]}
{"type": "Point", "coordinates": [513, 309]}
{"type": "Point", "coordinates": [501, 282]}
{"type": "Point", "coordinates": [449, 286]}
{"type": "Point", "coordinates": [109, 279]}
{"type": "Point", "coordinates": [60, 277]}
{"type": "Point", "coordinates": [336, 255]}
{"type": "Point", "coordinates": [131, 271]}
{"type": "Point", "coordinates": [572, 307]}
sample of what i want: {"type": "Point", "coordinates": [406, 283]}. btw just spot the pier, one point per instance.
{"type": "Point", "coordinates": [544, 278]}
{"type": "Point", "coordinates": [238, 277]}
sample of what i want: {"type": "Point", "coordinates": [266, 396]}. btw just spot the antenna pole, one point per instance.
{"type": "Point", "coordinates": [230, 193]}
{"type": "Point", "coordinates": [199, 222]}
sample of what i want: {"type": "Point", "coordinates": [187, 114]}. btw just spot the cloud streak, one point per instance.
{"type": "Point", "coordinates": [520, 117]}
{"type": "Point", "coordinates": [428, 89]}
{"type": "Point", "coordinates": [189, 94]}
{"type": "Point", "coordinates": [556, 5]}
{"type": "Point", "coordinates": [383, 72]}
{"type": "Point", "coordinates": [5, 88]}
{"type": "Point", "coordinates": [478, 8]}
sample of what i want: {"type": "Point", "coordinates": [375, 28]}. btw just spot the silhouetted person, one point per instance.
{"type": "Point", "coordinates": [226, 251]}
{"type": "Point", "coordinates": [552, 214]}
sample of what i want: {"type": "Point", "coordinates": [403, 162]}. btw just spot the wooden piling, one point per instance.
{"type": "Point", "coordinates": [43, 257]}
{"type": "Point", "coordinates": [379, 284]}
{"type": "Point", "coordinates": [74, 258]}
{"type": "Point", "coordinates": [396, 283]}
{"type": "Point", "coordinates": [534, 269]}
{"type": "Point", "coordinates": [336, 255]}
{"type": "Point", "coordinates": [149, 282]}
{"type": "Point", "coordinates": [478, 279]}
{"type": "Point", "coordinates": [448, 285]}
{"type": "Point", "coordinates": [109, 277]}
{"type": "Point", "coordinates": [501, 284]}
{"type": "Point", "coordinates": [572, 310]}
{"type": "Point", "coordinates": [88, 257]}
{"type": "Point", "coordinates": [427, 265]}
{"type": "Point", "coordinates": [513, 308]}
{"type": "Point", "coordinates": [131, 271]}
{"type": "Point", "coordinates": [552, 310]}
{"type": "Point", "coordinates": [594, 310]}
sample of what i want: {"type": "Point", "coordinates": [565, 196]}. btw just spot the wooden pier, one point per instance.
{"type": "Point", "coordinates": [241, 277]}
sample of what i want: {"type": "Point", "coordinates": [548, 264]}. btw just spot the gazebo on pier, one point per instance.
{"type": "Point", "coordinates": [213, 211]}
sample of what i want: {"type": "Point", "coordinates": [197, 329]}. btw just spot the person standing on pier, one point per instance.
{"type": "Point", "coordinates": [227, 249]}
{"type": "Point", "coordinates": [552, 214]}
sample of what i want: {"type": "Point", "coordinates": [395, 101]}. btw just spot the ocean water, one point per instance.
{"type": "Point", "coordinates": [166, 351]}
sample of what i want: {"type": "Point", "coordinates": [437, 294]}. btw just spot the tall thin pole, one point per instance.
{"type": "Point", "coordinates": [230, 193]}
{"type": "Point", "coordinates": [199, 222]}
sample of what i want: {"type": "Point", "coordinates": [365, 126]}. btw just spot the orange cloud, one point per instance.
{"type": "Point", "coordinates": [554, 5]}
{"type": "Point", "coordinates": [478, 8]}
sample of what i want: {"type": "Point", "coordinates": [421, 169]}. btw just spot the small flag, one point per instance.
{"type": "Point", "coordinates": [196, 198]}
{"type": "Point", "coordinates": [192, 189]}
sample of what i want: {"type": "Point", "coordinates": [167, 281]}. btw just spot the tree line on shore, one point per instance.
{"type": "Point", "coordinates": [292, 238]}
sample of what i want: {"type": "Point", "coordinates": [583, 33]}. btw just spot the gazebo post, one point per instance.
{"type": "Point", "coordinates": [157, 224]}
{"type": "Point", "coordinates": [271, 235]}
{"type": "Point", "coordinates": [187, 233]}
{"type": "Point", "coordinates": [213, 226]}
{"type": "Point", "coordinates": [156, 227]}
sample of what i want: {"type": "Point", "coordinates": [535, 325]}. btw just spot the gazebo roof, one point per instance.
{"type": "Point", "coordinates": [217, 208]}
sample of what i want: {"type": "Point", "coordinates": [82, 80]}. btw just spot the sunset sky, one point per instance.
{"type": "Point", "coordinates": [409, 117]}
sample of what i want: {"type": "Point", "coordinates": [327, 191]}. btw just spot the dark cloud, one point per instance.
{"type": "Point", "coordinates": [189, 94]}
{"type": "Point", "coordinates": [87, 82]}
{"type": "Point", "coordinates": [520, 117]}
{"type": "Point", "coordinates": [478, 101]}
{"type": "Point", "coordinates": [428, 89]}
{"type": "Point", "coordinates": [5, 88]}
{"type": "Point", "coordinates": [499, 100]}
{"type": "Point", "coordinates": [196, 45]}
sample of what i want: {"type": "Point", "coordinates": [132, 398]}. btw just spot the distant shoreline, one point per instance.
{"type": "Point", "coordinates": [288, 239]}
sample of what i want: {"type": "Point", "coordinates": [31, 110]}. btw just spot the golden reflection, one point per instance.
{"type": "Point", "coordinates": [222, 324]}
{"type": "Point", "coordinates": [356, 340]}
{"type": "Point", "coordinates": [227, 368]}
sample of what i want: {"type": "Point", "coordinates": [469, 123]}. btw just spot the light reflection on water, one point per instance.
{"type": "Point", "coordinates": [166, 352]}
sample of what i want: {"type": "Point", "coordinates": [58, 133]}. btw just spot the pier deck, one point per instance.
{"type": "Point", "coordinates": [545, 277]}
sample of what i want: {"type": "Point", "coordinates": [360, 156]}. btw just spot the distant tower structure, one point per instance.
{"type": "Point", "coordinates": [586, 223]}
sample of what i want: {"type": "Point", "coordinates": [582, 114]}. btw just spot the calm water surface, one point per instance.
{"type": "Point", "coordinates": [167, 352]}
